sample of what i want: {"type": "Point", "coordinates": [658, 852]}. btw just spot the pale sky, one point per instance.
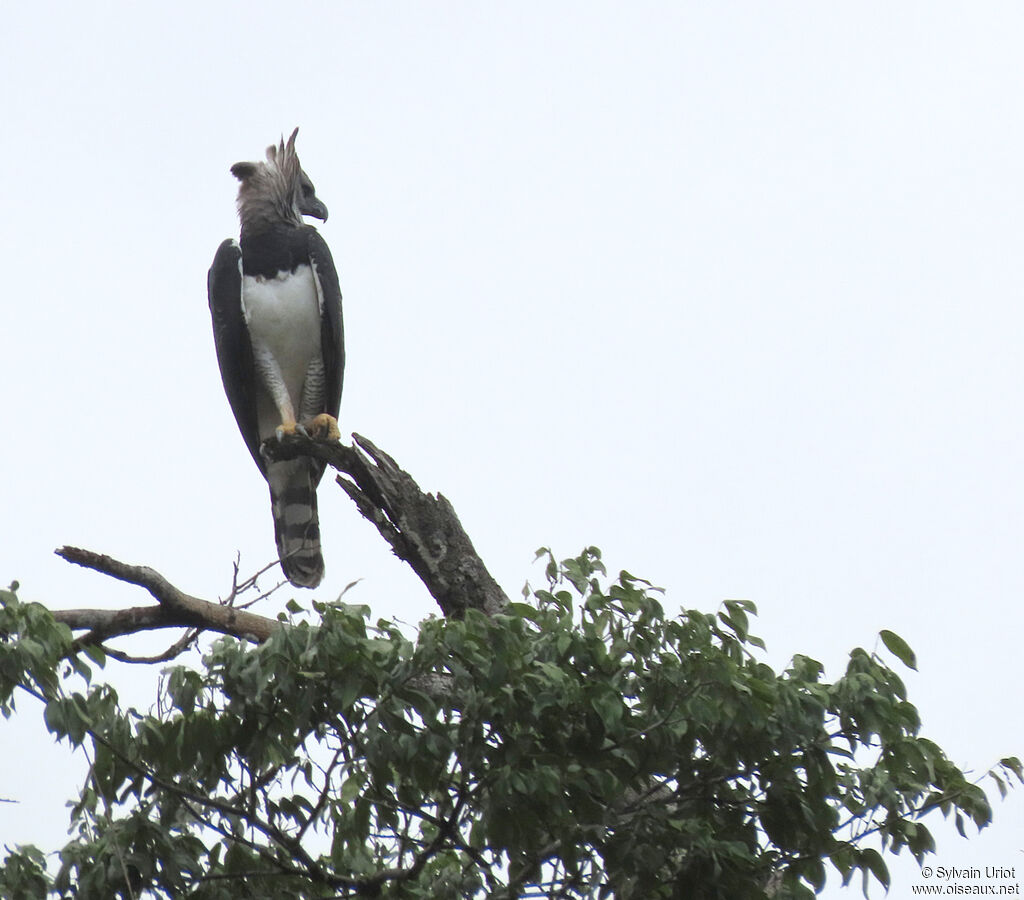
{"type": "Point", "coordinates": [730, 290]}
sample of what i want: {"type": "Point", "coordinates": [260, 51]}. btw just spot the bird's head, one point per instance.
{"type": "Point", "coordinates": [277, 190]}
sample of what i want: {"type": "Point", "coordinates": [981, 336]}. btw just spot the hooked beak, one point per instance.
{"type": "Point", "coordinates": [312, 206]}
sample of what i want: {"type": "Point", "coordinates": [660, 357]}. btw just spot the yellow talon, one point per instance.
{"type": "Point", "coordinates": [285, 428]}
{"type": "Point", "coordinates": [323, 428]}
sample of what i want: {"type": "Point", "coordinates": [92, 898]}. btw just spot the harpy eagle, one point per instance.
{"type": "Point", "coordinates": [276, 308]}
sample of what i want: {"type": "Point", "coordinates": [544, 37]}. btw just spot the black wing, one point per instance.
{"type": "Point", "coordinates": [332, 332]}
{"type": "Point", "coordinates": [231, 338]}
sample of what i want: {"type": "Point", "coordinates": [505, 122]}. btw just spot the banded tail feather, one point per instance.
{"type": "Point", "coordinates": [296, 524]}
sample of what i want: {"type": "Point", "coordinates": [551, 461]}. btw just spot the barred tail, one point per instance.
{"type": "Point", "coordinates": [296, 526]}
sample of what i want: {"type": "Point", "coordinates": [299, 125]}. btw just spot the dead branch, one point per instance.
{"type": "Point", "coordinates": [175, 608]}
{"type": "Point", "coordinates": [421, 528]}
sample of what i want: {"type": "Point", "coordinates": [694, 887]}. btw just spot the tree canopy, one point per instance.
{"type": "Point", "coordinates": [583, 742]}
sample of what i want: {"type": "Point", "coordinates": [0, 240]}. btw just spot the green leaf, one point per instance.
{"type": "Point", "coordinates": [999, 783]}
{"type": "Point", "coordinates": [55, 716]}
{"type": "Point", "coordinates": [899, 648]}
{"type": "Point", "coordinates": [872, 859]}
{"type": "Point", "coordinates": [1013, 764]}
{"type": "Point", "coordinates": [96, 653]}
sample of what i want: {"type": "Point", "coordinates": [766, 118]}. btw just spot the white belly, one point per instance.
{"type": "Point", "coordinates": [283, 317]}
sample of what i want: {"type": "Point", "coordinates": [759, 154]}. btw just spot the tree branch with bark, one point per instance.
{"type": "Point", "coordinates": [583, 745]}
{"type": "Point", "coordinates": [422, 529]}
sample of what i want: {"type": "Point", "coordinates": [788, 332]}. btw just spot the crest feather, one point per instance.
{"type": "Point", "coordinates": [271, 191]}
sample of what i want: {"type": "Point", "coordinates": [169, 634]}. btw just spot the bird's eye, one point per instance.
{"type": "Point", "coordinates": [307, 190]}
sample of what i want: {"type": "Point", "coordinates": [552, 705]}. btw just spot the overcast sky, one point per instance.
{"type": "Point", "coordinates": [731, 290]}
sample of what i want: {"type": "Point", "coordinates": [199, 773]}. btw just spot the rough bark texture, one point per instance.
{"type": "Point", "coordinates": [176, 609]}
{"type": "Point", "coordinates": [421, 528]}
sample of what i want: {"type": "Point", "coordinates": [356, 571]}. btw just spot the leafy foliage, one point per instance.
{"type": "Point", "coordinates": [583, 745]}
